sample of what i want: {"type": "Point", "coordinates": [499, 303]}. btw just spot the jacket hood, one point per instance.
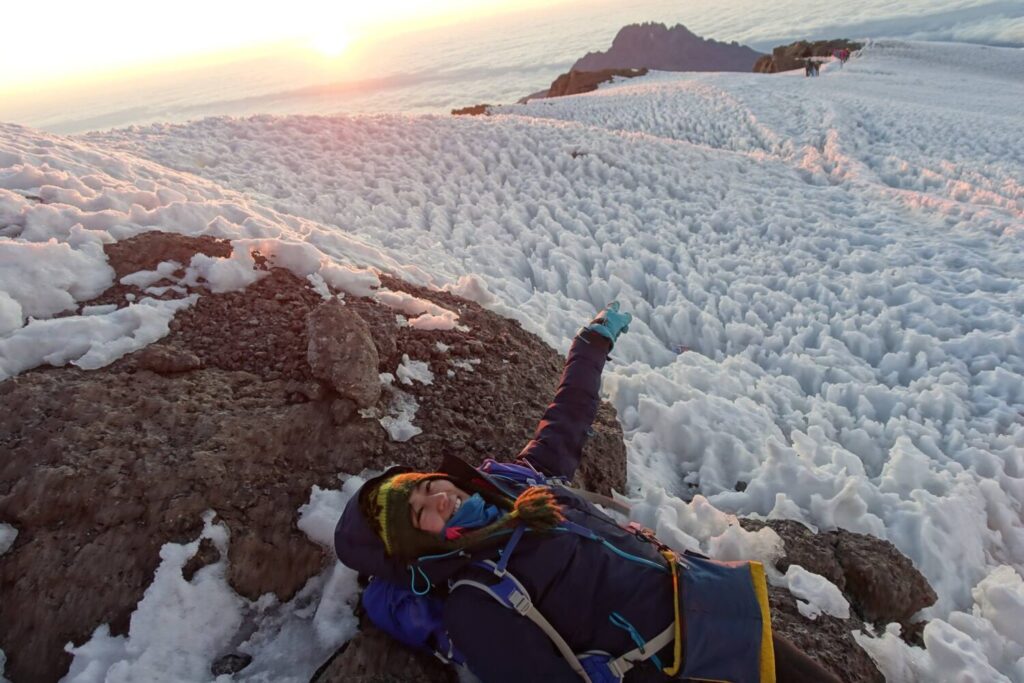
{"type": "Point", "coordinates": [359, 547]}
{"type": "Point", "coordinates": [357, 544]}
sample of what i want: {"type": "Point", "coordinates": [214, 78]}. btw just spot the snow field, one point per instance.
{"type": "Point", "coordinates": [57, 212]}
{"type": "Point", "coordinates": [825, 274]}
{"type": "Point", "coordinates": [898, 115]}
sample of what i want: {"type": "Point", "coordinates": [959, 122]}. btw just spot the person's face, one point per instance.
{"type": "Point", "coordinates": [433, 502]}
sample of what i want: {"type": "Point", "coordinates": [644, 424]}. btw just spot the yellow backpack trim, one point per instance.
{"type": "Point", "coordinates": [767, 647]}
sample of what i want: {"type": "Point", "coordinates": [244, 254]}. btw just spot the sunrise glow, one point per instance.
{"type": "Point", "coordinates": [331, 43]}
{"type": "Point", "coordinates": [120, 42]}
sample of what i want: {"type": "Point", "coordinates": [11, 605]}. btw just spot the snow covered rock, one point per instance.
{"type": "Point", "coordinates": [341, 352]}
{"type": "Point", "coordinates": [576, 81]}
{"type": "Point", "coordinates": [225, 414]}
{"type": "Point", "coordinates": [881, 583]}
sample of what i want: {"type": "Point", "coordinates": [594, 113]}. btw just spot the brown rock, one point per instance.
{"type": "Point", "coordinates": [207, 554]}
{"type": "Point", "coordinates": [148, 250]}
{"type": "Point", "coordinates": [310, 391]}
{"type": "Point", "coordinates": [576, 82]}
{"type": "Point", "coordinates": [374, 657]}
{"type": "Point", "coordinates": [602, 468]}
{"type": "Point", "coordinates": [814, 552]}
{"type": "Point", "coordinates": [826, 639]}
{"type": "Point", "coordinates": [230, 664]}
{"type": "Point", "coordinates": [342, 410]}
{"type": "Point", "coordinates": [765, 65]}
{"type": "Point", "coordinates": [341, 352]}
{"type": "Point", "coordinates": [885, 584]}
{"type": "Point", "coordinates": [475, 110]}
{"type": "Point", "coordinates": [268, 559]}
{"type": "Point", "coordinates": [880, 583]}
{"type": "Point", "coordinates": [165, 360]}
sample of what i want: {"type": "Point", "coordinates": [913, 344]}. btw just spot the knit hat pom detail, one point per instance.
{"type": "Point", "coordinates": [536, 508]}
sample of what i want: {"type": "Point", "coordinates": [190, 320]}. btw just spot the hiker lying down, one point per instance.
{"type": "Point", "coordinates": [505, 570]}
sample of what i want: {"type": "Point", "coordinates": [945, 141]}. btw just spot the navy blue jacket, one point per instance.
{"type": "Point", "coordinates": [576, 583]}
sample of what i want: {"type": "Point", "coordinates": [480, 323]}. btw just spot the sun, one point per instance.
{"type": "Point", "coordinates": [331, 43]}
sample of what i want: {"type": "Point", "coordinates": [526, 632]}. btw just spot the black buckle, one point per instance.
{"type": "Point", "coordinates": [646, 535]}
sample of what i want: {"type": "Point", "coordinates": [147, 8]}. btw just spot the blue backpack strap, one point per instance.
{"type": "Point", "coordinates": [508, 591]}
{"type": "Point", "coordinates": [520, 472]}
{"type": "Point", "coordinates": [512, 594]}
{"type": "Point", "coordinates": [506, 552]}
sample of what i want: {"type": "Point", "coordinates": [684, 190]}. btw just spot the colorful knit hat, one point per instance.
{"type": "Point", "coordinates": [392, 515]}
{"type": "Point", "coordinates": [385, 503]}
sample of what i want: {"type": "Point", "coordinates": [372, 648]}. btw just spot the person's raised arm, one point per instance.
{"type": "Point", "coordinates": [557, 445]}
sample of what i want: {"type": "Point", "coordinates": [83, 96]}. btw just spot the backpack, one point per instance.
{"type": "Point", "coordinates": [416, 619]}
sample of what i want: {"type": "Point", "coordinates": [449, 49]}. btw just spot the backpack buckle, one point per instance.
{"type": "Point", "coordinates": [615, 667]}
{"type": "Point", "coordinates": [646, 535]}
{"type": "Point", "coordinates": [520, 602]}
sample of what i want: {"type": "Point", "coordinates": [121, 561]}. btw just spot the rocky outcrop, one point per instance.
{"type": "Point", "coordinates": [792, 56]}
{"type": "Point", "coordinates": [240, 409]}
{"type": "Point", "coordinates": [654, 46]}
{"type": "Point", "coordinates": [638, 48]}
{"type": "Point", "coordinates": [576, 82]}
{"type": "Point", "coordinates": [342, 354]}
{"type": "Point", "coordinates": [474, 110]}
{"type": "Point", "coordinates": [880, 583]}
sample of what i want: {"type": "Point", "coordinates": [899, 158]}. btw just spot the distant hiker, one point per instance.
{"type": "Point", "coordinates": [808, 68]}
{"type": "Point", "coordinates": [506, 570]}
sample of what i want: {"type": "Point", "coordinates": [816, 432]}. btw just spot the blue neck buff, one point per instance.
{"type": "Point", "coordinates": [472, 514]}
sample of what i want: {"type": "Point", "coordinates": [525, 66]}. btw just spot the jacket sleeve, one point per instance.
{"type": "Point", "coordinates": [557, 445]}
{"type": "Point", "coordinates": [499, 644]}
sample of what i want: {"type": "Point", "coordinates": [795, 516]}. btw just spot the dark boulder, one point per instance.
{"type": "Point", "coordinates": [341, 352]}
{"type": "Point", "coordinates": [887, 586]}
{"type": "Point", "coordinates": [880, 583]}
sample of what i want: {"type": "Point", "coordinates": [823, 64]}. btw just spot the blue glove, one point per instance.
{"type": "Point", "coordinates": [609, 323]}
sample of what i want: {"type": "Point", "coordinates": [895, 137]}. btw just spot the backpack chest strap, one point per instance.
{"type": "Point", "coordinates": [620, 666]}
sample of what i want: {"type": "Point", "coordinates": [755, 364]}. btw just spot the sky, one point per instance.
{"type": "Point", "coordinates": [103, 65]}
{"type": "Point", "coordinates": [79, 42]}
{"type": "Point", "coordinates": [111, 37]}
